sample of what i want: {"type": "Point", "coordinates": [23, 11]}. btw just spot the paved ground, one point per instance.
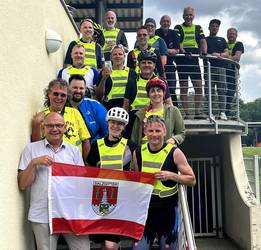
{"type": "Point", "coordinates": [215, 244]}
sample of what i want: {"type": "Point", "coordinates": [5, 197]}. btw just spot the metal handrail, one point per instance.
{"type": "Point", "coordinates": [186, 217]}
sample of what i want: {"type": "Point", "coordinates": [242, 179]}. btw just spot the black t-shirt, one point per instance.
{"type": "Point", "coordinates": [171, 39]}
{"type": "Point", "coordinates": [168, 165]}
{"type": "Point", "coordinates": [238, 47]}
{"type": "Point", "coordinates": [94, 157]}
{"type": "Point", "coordinates": [117, 102]}
{"type": "Point", "coordinates": [216, 44]}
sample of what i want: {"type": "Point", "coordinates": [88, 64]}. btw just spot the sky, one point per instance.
{"type": "Point", "coordinates": [242, 14]}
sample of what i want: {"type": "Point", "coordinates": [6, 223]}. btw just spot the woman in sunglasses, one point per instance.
{"type": "Point", "coordinates": [112, 152]}
{"type": "Point", "coordinates": [56, 99]}
{"type": "Point", "coordinates": [113, 79]}
{"type": "Point", "coordinates": [166, 161]}
{"type": "Point", "coordinates": [175, 129]}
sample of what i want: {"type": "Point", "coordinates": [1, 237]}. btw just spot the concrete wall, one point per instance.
{"type": "Point", "coordinates": [241, 216]}
{"type": "Point", "coordinates": [25, 69]}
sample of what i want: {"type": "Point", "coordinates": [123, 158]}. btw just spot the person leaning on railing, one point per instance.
{"type": "Point", "coordinates": [235, 49]}
{"type": "Point", "coordinates": [192, 41]}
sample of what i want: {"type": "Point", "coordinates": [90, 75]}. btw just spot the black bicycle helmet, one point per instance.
{"type": "Point", "coordinates": [147, 55]}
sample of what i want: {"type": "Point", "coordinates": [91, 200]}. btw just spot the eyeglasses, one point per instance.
{"type": "Point", "coordinates": [140, 35]}
{"type": "Point", "coordinates": [52, 126]}
{"type": "Point", "coordinates": [118, 46]}
{"type": "Point", "coordinates": [59, 94]}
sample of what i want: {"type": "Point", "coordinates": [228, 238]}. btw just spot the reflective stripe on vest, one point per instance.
{"type": "Point", "coordinates": [152, 40]}
{"type": "Point", "coordinates": [112, 157]}
{"type": "Point", "coordinates": [152, 163]}
{"type": "Point", "coordinates": [189, 40]}
{"type": "Point", "coordinates": [90, 53]}
{"type": "Point", "coordinates": [76, 71]}
{"type": "Point", "coordinates": [136, 52]}
{"type": "Point", "coordinates": [119, 80]}
{"type": "Point", "coordinates": [141, 99]}
{"type": "Point", "coordinates": [110, 38]}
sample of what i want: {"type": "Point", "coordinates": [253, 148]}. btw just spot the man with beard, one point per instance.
{"type": "Point", "coordinates": [93, 113]}
{"type": "Point", "coordinates": [78, 67]}
{"type": "Point", "coordinates": [171, 39]}
{"type": "Point", "coordinates": [113, 36]}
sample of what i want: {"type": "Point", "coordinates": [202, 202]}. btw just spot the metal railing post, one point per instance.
{"type": "Point", "coordinates": [257, 181]}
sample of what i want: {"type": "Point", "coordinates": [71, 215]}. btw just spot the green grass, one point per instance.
{"type": "Point", "coordinates": [251, 151]}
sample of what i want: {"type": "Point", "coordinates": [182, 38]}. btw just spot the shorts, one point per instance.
{"type": "Point", "coordinates": [188, 67]}
{"type": "Point", "coordinates": [100, 238]}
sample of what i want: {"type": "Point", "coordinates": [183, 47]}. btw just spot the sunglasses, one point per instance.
{"type": "Point", "coordinates": [150, 25]}
{"type": "Point", "coordinates": [59, 94]}
{"type": "Point", "coordinates": [156, 118]}
{"type": "Point", "coordinates": [140, 35]}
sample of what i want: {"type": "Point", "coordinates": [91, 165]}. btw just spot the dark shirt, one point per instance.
{"type": "Point", "coordinates": [132, 62]}
{"type": "Point", "coordinates": [171, 39]}
{"type": "Point", "coordinates": [117, 102]}
{"type": "Point", "coordinates": [98, 52]}
{"type": "Point", "coordinates": [216, 44]}
{"type": "Point", "coordinates": [238, 47]}
{"type": "Point", "coordinates": [94, 156]}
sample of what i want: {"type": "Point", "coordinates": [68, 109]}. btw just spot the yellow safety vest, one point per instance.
{"type": "Point", "coordinates": [136, 53]}
{"type": "Point", "coordinates": [112, 157]}
{"type": "Point", "coordinates": [90, 53]}
{"type": "Point", "coordinates": [189, 40]}
{"type": "Point", "coordinates": [153, 40]}
{"type": "Point", "coordinates": [231, 47]}
{"type": "Point", "coordinates": [141, 99]}
{"type": "Point", "coordinates": [119, 80]}
{"type": "Point", "coordinates": [152, 163]}
{"type": "Point", "coordinates": [110, 37]}
{"type": "Point", "coordinates": [78, 71]}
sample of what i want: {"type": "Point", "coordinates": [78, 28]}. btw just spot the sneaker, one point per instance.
{"type": "Point", "coordinates": [223, 116]}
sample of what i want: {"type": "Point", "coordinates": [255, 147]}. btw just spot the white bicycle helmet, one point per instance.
{"type": "Point", "coordinates": [118, 114]}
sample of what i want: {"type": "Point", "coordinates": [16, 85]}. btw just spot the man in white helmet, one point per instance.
{"type": "Point", "coordinates": [112, 152]}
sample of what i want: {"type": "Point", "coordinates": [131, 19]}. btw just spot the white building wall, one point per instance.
{"type": "Point", "coordinates": [25, 70]}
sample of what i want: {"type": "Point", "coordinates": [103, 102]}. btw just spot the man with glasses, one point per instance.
{"type": "Point", "coordinates": [33, 173]}
{"type": "Point", "coordinates": [142, 45]}
{"type": "Point", "coordinates": [56, 99]}
{"type": "Point", "coordinates": [156, 41]}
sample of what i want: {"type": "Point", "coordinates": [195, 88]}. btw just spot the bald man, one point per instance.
{"type": "Point", "coordinates": [113, 36]}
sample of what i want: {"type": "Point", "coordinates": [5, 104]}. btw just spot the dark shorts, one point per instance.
{"type": "Point", "coordinates": [160, 222]}
{"type": "Point", "coordinates": [188, 67]}
{"type": "Point", "coordinates": [100, 238]}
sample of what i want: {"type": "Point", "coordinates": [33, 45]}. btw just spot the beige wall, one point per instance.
{"type": "Point", "coordinates": [25, 69]}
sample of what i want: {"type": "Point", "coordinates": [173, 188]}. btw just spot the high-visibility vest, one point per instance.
{"type": "Point", "coordinates": [152, 163]}
{"type": "Point", "coordinates": [78, 71]}
{"type": "Point", "coordinates": [231, 47]}
{"type": "Point", "coordinates": [152, 40]}
{"type": "Point", "coordinates": [112, 157]}
{"type": "Point", "coordinates": [141, 99]}
{"type": "Point", "coordinates": [135, 54]}
{"type": "Point", "coordinates": [189, 40]}
{"type": "Point", "coordinates": [110, 37]}
{"type": "Point", "coordinates": [119, 80]}
{"type": "Point", "coordinates": [90, 53]}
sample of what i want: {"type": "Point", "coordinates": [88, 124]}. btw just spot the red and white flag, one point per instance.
{"type": "Point", "coordinates": [87, 200]}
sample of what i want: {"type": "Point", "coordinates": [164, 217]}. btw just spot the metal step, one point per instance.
{"type": "Point", "coordinates": [215, 244]}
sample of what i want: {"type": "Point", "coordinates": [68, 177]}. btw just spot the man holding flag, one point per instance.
{"type": "Point", "coordinates": [33, 173]}
{"type": "Point", "coordinates": [170, 168]}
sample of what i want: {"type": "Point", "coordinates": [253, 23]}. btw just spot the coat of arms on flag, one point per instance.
{"type": "Point", "coordinates": [88, 200]}
{"type": "Point", "coordinates": [104, 197]}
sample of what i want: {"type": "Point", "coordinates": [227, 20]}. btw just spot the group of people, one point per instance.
{"type": "Point", "coordinates": [101, 113]}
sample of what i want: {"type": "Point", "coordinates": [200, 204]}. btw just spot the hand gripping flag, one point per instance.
{"type": "Point", "coordinates": [87, 200]}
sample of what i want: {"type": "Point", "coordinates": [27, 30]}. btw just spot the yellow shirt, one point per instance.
{"type": "Point", "coordinates": [76, 130]}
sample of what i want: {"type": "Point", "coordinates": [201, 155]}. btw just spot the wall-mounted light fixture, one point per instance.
{"type": "Point", "coordinates": [53, 41]}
